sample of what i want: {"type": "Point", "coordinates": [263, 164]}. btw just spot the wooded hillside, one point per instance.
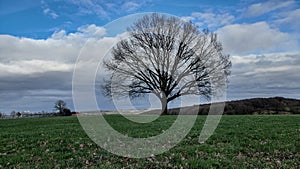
{"type": "Point", "coordinates": [274, 105]}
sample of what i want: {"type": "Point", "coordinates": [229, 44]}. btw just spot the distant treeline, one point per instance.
{"type": "Point", "coordinates": [274, 105]}
{"type": "Point", "coordinates": [15, 114]}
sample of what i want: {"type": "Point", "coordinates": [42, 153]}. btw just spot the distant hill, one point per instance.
{"type": "Point", "coordinates": [273, 105]}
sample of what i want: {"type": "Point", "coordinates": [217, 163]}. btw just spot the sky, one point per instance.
{"type": "Point", "coordinates": [41, 40]}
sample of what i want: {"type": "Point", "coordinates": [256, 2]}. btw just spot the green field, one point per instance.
{"type": "Point", "coordinates": [239, 142]}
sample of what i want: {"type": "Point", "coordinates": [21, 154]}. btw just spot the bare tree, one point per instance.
{"type": "Point", "coordinates": [167, 57]}
{"type": "Point", "coordinates": [13, 113]}
{"type": "Point", "coordinates": [60, 105]}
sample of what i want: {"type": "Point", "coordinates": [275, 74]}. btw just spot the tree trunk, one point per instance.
{"type": "Point", "coordinates": [164, 107]}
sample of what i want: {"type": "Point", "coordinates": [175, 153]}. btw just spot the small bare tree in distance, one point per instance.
{"type": "Point", "coordinates": [60, 105]}
{"type": "Point", "coordinates": [168, 57]}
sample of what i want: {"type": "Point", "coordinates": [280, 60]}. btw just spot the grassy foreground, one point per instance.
{"type": "Point", "coordinates": [239, 142]}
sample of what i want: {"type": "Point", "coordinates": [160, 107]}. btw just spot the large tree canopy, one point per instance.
{"type": "Point", "coordinates": [168, 57]}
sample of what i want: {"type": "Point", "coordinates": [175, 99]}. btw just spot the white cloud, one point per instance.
{"type": "Point", "coordinates": [265, 58]}
{"type": "Point", "coordinates": [106, 8]}
{"type": "Point", "coordinates": [59, 34]}
{"type": "Point", "coordinates": [89, 7]}
{"type": "Point", "coordinates": [47, 10]}
{"type": "Point", "coordinates": [59, 47]}
{"type": "Point", "coordinates": [209, 20]}
{"type": "Point", "coordinates": [277, 69]}
{"type": "Point", "coordinates": [130, 6]}
{"type": "Point", "coordinates": [243, 60]}
{"type": "Point", "coordinates": [291, 19]}
{"type": "Point", "coordinates": [50, 12]}
{"type": "Point", "coordinates": [255, 38]}
{"type": "Point", "coordinates": [265, 7]}
{"type": "Point", "coordinates": [25, 56]}
{"type": "Point", "coordinates": [27, 67]}
{"type": "Point", "coordinates": [91, 31]}
{"type": "Point", "coordinates": [61, 50]}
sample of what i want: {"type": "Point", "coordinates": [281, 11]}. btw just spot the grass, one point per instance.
{"type": "Point", "coordinates": [270, 141]}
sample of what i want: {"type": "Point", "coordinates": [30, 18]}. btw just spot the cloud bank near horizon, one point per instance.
{"type": "Point", "coordinates": [35, 71]}
{"type": "Point", "coordinates": [261, 37]}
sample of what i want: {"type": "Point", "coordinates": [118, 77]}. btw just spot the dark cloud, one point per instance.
{"type": "Point", "coordinates": [265, 76]}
